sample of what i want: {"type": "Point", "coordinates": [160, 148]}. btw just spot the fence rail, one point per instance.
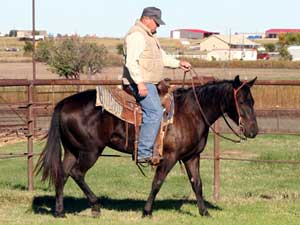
{"type": "Point", "coordinates": [41, 82]}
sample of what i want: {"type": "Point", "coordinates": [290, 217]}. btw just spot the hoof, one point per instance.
{"type": "Point", "coordinates": [205, 213]}
{"type": "Point", "coordinates": [95, 213]}
{"type": "Point", "coordinates": [147, 214]}
{"type": "Point", "coordinates": [96, 210]}
{"type": "Point", "coordinates": [59, 215]}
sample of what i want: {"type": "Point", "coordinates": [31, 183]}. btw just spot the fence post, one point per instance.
{"type": "Point", "coordinates": [216, 162]}
{"type": "Point", "coordinates": [30, 127]}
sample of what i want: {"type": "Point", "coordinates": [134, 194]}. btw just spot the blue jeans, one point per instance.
{"type": "Point", "coordinates": [152, 115]}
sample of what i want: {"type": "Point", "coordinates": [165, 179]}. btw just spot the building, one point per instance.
{"type": "Point", "coordinates": [190, 34]}
{"type": "Point", "coordinates": [27, 34]}
{"type": "Point", "coordinates": [294, 52]}
{"type": "Point", "coordinates": [233, 47]}
{"type": "Point", "coordinates": [274, 33]}
{"type": "Point", "coordinates": [252, 35]}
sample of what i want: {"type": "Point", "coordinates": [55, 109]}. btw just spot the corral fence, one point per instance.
{"type": "Point", "coordinates": [29, 117]}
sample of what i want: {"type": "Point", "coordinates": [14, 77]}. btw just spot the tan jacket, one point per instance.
{"type": "Point", "coordinates": [150, 62]}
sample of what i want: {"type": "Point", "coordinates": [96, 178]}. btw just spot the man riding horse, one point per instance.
{"type": "Point", "coordinates": [79, 131]}
{"type": "Point", "coordinates": [144, 64]}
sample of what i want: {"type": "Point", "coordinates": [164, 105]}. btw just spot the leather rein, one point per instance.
{"type": "Point", "coordinates": [235, 92]}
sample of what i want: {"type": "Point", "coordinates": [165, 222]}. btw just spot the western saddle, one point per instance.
{"type": "Point", "coordinates": [121, 103]}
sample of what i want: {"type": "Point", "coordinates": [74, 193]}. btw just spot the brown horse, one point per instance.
{"type": "Point", "coordinates": [85, 130]}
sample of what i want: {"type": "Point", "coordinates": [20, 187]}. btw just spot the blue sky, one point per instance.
{"type": "Point", "coordinates": [112, 18]}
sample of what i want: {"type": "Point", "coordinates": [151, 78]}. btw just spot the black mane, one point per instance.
{"type": "Point", "coordinates": [211, 91]}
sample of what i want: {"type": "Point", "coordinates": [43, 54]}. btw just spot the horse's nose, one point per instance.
{"type": "Point", "coordinates": [252, 134]}
{"type": "Point", "coordinates": [253, 130]}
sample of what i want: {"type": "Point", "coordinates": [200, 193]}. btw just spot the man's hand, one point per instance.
{"type": "Point", "coordinates": [185, 66]}
{"type": "Point", "coordinates": [143, 91]}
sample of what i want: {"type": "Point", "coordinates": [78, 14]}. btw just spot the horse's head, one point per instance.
{"type": "Point", "coordinates": [242, 112]}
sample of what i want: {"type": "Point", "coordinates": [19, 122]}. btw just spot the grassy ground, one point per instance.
{"type": "Point", "coordinates": [251, 193]}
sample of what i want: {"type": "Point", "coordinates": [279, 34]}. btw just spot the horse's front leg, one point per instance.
{"type": "Point", "coordinates": [192, 168]}
{"type": "Point", "coordinates": [161, 172]}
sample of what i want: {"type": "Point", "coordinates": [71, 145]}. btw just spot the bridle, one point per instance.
{"type": "Point", "coordinates": [240, 124]}
{"type": "Point", "coordinates": [235, 92]}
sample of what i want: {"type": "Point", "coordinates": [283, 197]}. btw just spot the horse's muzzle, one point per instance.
{"type": "Point", "coordinates": [250, 130]}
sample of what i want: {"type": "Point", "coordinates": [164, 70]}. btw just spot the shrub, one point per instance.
{"type": "Point", "coordinates": [270, 47]}
{"type": "Point", "coordinates": [28, 48]}
{"type": "Point", "coordinates": [66, 59]}
{"type": "Point", "coordinates": [93, 57]}
{"type": "Point", "coordinates": [120, 49]}
{"type": "Point", "coordinates": [286, 40]}
{"type": "Point", "coordinates": [43, 51]}
{"type": "Point", "coordinates": [71, 56]}
{"type": "Point", "coordinates": [114, 59]}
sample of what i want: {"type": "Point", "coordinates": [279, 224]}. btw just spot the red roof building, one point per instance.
{"type": "Point", "coordinates": [274, 33]}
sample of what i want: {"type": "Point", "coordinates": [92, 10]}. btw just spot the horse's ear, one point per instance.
{"type": "Point", "coordinates": [251, 82]}
{"type": "Point", "coordinates": [236, 81]}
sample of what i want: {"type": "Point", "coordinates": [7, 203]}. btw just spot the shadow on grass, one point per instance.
{"type": "Point", "coordinates": [46, 204]}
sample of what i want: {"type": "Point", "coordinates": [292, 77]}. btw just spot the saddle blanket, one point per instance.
{"type": "Point", "coordinates": [124, 106]}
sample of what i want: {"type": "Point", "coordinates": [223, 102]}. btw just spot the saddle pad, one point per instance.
{"type": "Point", "coordinates": [119, 103]}
{"type": "Point", "coordinates": [105, 99]}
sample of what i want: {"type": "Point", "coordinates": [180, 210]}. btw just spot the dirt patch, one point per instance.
{"type": "Point", "coordinates": [11, 140]}
{"type": "Point", "coordinates": [23, 70]}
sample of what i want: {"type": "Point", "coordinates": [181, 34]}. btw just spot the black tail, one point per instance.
{"type": "Point", "coordinates": [50, 158]}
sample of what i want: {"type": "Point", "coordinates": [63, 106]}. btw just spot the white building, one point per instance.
{"type": "Point", "coordinates": [294, 52]}
{"type": "Point", "coordinates": [190, 34]}
{"type": "Point", "coordinates": [27, 34]}
{"type": "Point", "coordinates": [232, 54]}
{"type": "Point", "coordinates": [233, 47]}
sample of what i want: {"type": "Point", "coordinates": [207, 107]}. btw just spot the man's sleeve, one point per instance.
{"type": "Point", "coordinates": [169, 61]}
{"type": "Point", "coordinates": [135, 46]}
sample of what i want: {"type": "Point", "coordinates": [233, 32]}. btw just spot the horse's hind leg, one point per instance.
{"type": "Point", "coordinates": [84, 163]}
{"type": "Point", "coordinates": [68, 162]}
{"type": "Point", "coordinates": [192, 168]}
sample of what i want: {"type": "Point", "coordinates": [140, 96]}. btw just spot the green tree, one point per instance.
{"type": "Point", "coordinates": [12, 33]}
{"type": "Point", "coordinates": [120, 49]}
{"type": "Point", "coordinates": [69, 57]}
{"type": "Point", "coordinates": [285, 40]}
{"type": "Point", "coordinates": [270, 47]}
{"type": "Point", "coordinates": [93, 57]}
{"type": "Point", "coordinates": [284, 54]}
{"type": "Point", "coordinates": [28, 48]}
{"type": "Point", "coordinates": [282, 48]}
{"type": "Point", "coordinates": [292, 38]}
{"type": "Point", "coordinates": [44, 50]}
{"type": "Point", "coordinates": [65, 58]}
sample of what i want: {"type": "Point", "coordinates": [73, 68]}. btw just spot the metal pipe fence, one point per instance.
{"type": "Point", "coordinates": [33, 109]}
